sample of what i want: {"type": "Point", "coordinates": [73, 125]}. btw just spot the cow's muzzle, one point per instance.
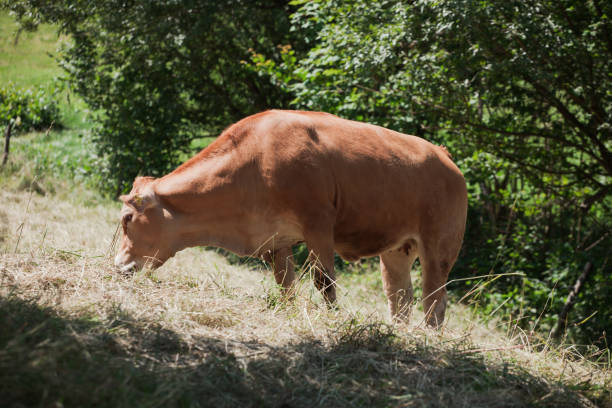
{"type": "Point", "coordinates": [124, 264]}
{"type": "Point", "coordinates": [129, 268]}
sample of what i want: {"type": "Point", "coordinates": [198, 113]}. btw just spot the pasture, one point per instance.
{"type": "Point", "coordinates": [202, 332]}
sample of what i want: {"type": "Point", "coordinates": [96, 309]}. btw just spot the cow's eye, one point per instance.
{"type": "Point", "coordinates": [127, 218]}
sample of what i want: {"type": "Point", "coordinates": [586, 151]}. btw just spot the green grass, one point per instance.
{"type": "Point", "coordinates": [60, 163]}
{"type": "Point", "coordinates": [31, 63]}
{"type": "Point", "coordinates": [57, 157]}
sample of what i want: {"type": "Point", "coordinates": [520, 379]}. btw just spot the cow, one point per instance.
{"type": "Point", "coordinates": [279, 178]}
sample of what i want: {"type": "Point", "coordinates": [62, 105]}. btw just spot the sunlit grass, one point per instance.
{"type": "Point", "coordinates": [55, 162]}
{"type": "Point", "coordinates": [29, 60]}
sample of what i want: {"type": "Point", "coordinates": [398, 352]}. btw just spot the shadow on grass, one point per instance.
{"type": "Point", "coordinates": [49, 360]}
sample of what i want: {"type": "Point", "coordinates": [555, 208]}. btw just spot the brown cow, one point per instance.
{"type": "Point", "coordinates": [279, 178]}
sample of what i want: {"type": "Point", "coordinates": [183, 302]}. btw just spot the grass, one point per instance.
{"type": "Point", "coordinates": [51, 160]}
{"type": "Point", "coordinates": [56, 162]}
{"type": "Point", "coordinates": [202, 332]}
{"type": "Point", "coordinates": [29, 61]}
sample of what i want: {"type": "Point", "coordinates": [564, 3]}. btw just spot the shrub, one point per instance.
{"type": "Point", "coordinates": [33, 109]}
{"type": "Point", "coordinates": [161, 73]}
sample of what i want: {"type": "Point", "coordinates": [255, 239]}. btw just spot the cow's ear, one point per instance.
{"type": "Point", "coordinates": [140, 201]}
{"type": "Point", "coordinates": [141, 182]}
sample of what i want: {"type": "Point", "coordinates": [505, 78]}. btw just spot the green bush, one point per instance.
{"type": "Point", "coordinates": [31, 109]}
{"type": "Point", "coordinates": [505, 86]}
{"type": "Point", "coordinates": [161, 74]}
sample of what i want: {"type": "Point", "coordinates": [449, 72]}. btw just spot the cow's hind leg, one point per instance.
{"type": "Point", "coordinates": [437, 261]}
{"type": "Point", "coordinates": [435, 275]}
{"type": "Point", "coordinates": [395, 267]}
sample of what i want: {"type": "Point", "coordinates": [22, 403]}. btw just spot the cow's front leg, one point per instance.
{"type": "Point", "coordinates": [281, 261]}
{"type": "Point", "coordinates": [321, 259]}
{"type": "Point", "coordinates": [284, 270]}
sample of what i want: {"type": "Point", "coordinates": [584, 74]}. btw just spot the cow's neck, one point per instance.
{"type": "Point", "coordinates": [207, 202]}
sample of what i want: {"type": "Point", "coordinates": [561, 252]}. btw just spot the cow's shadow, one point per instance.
{"type": "Point", "coordinates": [50, 360]}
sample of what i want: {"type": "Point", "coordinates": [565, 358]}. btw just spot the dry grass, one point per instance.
{"type": "Point", "coordinates": [202, 332]}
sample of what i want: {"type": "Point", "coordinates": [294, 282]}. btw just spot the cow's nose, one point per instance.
{"type": "Point", "coordinates": [127, 268]}
{"type": "Point", "coordinates": [123, 265]}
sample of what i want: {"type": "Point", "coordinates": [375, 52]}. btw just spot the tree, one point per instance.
{"type": "Point", "coordinates": [518, 75]}
{"type": "Point", "coordinates": [521, 93]}
{"type": "Point", "coordinates": [161, 73]}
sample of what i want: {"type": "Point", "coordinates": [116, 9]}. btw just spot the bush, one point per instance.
{"type": "Point", "coordinates": [504, 85]}
{"type": "Point", "coordinates": [161, 74]}
{"type": "Point", "coordinates": [33, 109]}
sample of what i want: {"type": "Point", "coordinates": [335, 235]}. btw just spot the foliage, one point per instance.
{"type": "Point", "coordinates": [521, 94]}
{"type": "Point", "coordinates": [514, 228]}
{"type": "Point", "coordinates": [513, 76]}
{"type": "Point", "coordinates": [433, 67]}
{"type": "Point", "coordinates": [27, 108]}
{"type": "Point", "coordinates": [161, 73]}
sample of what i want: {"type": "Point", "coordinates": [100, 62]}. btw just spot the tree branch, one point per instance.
{"type": "Point", "coordinates": [7, 141]}
{"type": "Point", "coordinates": [571, 299]}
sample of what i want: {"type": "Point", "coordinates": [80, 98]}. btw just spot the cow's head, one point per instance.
{"type": "Point", "coordinates": [146, 237]}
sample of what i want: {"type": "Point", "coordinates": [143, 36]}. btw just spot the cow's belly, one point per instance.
{"type": "Point", "coordinates": [269, 235]}
{"type": "Point", "coordinates": [362, 244]}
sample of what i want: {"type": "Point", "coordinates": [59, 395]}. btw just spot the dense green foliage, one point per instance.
{"type": "Point", "coordinates": [162, 73]}
{"type": "Point", "coordinates": [27, 109]}
{"type": "Point", "coordinates": [519, 91]}
{"type": "Point", "coordinates": [514, 76]}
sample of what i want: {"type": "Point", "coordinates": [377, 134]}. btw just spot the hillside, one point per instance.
{"type": "Point", "coordinates": [202, 332]}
